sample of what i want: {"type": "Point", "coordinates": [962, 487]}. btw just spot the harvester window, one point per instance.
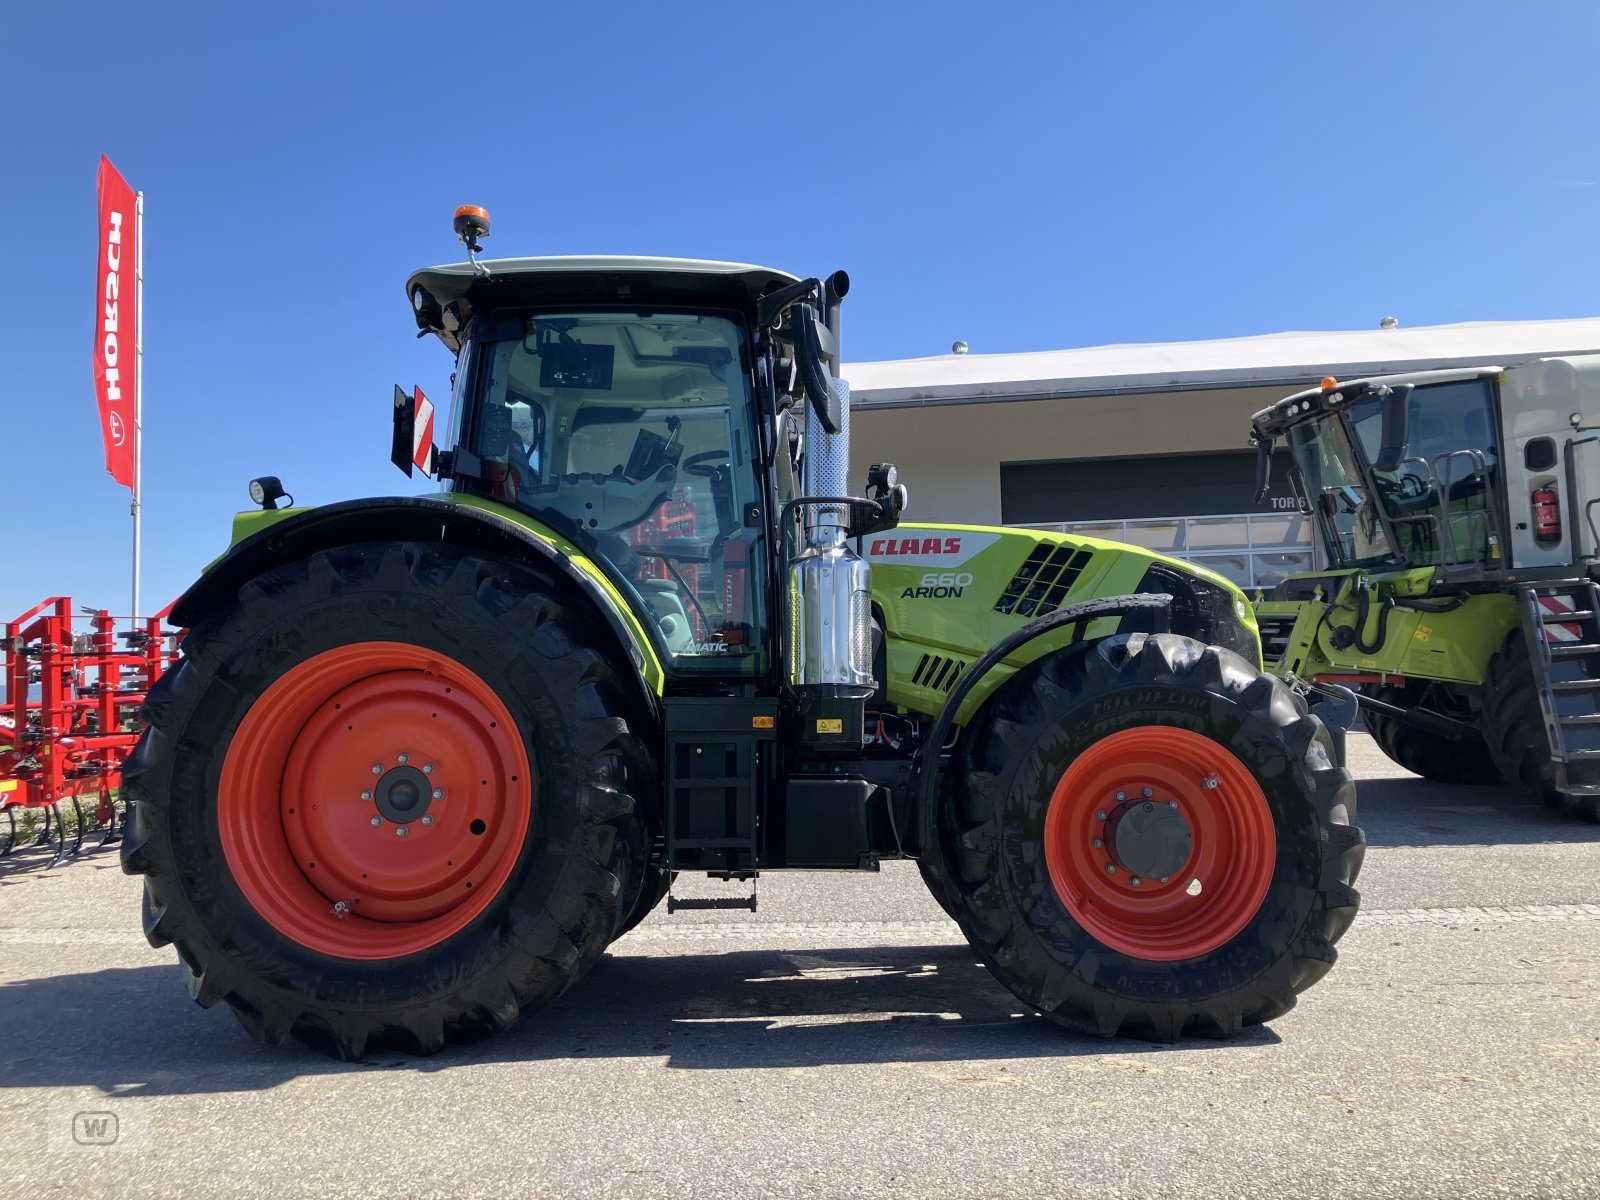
{"type": "Point", "coordinates": [1355, 536]}
{"type": "Point", "coordinates": [631, 433]}
{"type": "Point", "coordinates": [1438, 497]}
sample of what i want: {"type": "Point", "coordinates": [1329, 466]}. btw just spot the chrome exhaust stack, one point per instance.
{"type": "Point", "coordinates": [829, 585]}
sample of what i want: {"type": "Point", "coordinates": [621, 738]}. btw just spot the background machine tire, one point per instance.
{"type": "Point", "coordinates": [255, 764]}
{"type": "Point", "coordinates": [1513, 726]}
{"type": "Point", "coordinates": [1424, 753]}
{"type": "Point", "coordinates": [1030, 839]}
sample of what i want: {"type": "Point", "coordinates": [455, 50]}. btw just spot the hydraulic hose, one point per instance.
{"type": "Point", "coordinates": [1450, 604]}
{"type": "Point", "coordinates": [1350, 635]}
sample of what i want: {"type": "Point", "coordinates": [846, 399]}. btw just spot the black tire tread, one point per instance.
{"type": "Point", "coordinates": [966, 862]}
{"type": "Point", "coordinates": [513, 958]}
{"type": "Point", "coordinates": [1427, 754]}
{"type": "Point", "coordinates": [1513, 726]}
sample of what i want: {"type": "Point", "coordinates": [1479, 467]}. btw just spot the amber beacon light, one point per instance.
{"type": "Point", "coordinates": [471, 224]}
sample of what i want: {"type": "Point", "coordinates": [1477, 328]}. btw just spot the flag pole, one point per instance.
{"type": "Point", "coordinates": [138, 387]}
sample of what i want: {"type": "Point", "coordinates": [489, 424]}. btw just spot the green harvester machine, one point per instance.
{"type": "Point", "coordinates": [424, 758]}
{"type": "Point", "coordinates": [1455, 513]}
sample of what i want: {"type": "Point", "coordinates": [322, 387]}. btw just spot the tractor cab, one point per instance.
{"type": "Point", "coordinates": [635, 436]}
{"type": "Point", "coordinates": [1398, 473]}
{"type": "Point", "coordinates": [1472, 472]}
{"type": "Point", "coordinates": [652, 412]}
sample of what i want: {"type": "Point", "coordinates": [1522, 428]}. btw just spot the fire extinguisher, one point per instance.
{"type": "Point", "coordinates": [1546, 516]}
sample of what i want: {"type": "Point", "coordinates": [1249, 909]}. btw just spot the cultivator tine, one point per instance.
{"type": "Point", "coordinates": [10, 841]}
{"type": "Point", "coordinates": [62, 856]}
{"type": "Point", "coordinates": [77, 843]}
{"type": "Point", "coordinates": [110, 836]}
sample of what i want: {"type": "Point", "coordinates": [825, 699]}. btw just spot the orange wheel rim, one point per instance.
{"type": "Point", "coordinates": [374, 800]}
{"type": "Point", "coordinates": [1160, 843]}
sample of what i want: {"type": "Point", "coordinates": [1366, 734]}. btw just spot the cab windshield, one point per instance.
{"type": "Point", "coordinates": [1352, 532]}
{"type": "Point", "coordinates": [633, 435]}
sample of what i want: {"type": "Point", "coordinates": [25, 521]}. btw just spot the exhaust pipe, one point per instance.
{"type": "Point", "coordinates": [829, 585]}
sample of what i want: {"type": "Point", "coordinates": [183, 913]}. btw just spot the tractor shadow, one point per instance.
{"type": "Point", "coordinates": [134, 1032]}
{"type": "Point", "coordinates": [1405, 810]}
{"type": "Point", "coordinates": [1397, 808]}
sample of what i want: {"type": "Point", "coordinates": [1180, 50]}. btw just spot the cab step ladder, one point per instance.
{"type": "Point", "coordinates": [1561, 622]}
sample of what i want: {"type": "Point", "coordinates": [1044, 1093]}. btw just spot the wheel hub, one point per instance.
{"type": "Point", "coordinates": [402, 795]}
{"type": "Point", "coordinates": [1159, 842]}
{"type": "Point", "coordinates": [1149, 839]}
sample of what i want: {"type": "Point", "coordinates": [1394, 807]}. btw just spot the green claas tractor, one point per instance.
{"type": "Point", "coordinates": [1455, 513]}
{"type": "Point", "coordinates": [425, 758]}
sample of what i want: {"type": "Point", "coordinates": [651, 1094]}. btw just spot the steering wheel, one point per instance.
{"type": "Point", "coordinates": [705, 463]}
{"type": "Point", "coordinates": [1412, 487]}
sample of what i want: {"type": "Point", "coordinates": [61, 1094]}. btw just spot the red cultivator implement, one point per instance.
{"type": "Point", "coordinates": [70, 717]}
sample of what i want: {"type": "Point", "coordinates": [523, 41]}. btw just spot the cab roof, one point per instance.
{"type": "Point", "coordinates": [586, 279]}
{"type": "Point", "coordinates": [1275, 419]}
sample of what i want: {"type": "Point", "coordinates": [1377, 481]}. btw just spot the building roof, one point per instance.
{"type": "Point", "coordinates": [1288, 360]}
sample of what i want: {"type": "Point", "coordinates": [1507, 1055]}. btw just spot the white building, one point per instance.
{"type": "Point", "coordinates": [1141, 443]}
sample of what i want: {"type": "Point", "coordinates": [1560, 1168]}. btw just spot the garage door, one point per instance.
{"type": "Point", "coordinates": [1099, 489]}
{"type": "Point", "coordinates": [1193, 506]}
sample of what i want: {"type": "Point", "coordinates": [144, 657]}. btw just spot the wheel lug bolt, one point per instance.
{"type": "Point", "coordinates": [403, 759]}
{"type": "Point", "coordinates": [377, 768]}
{"type": "Point", "coordinates": [1121, 796]}
{"type": "Point", "coordinates": [1101, 815]}
{"type": "Point", "coordinates": [399, 831]}
{"type": "Point", "coordinates": [1210, 781]}
{"type": "Point", "coordinates": [1097, 843]}
{"type": "Point", "coordinates": [367, 795]}
{"type": "Point", "coordinates": [438, 793]}
{"type": "Point", "coordinates": [1147, 793]}
{"type": "Point", "coordinates": [1172, 804]}
{"type": "Point", "coordinates": [427, 819]}
{"type": "Point", "coordinates": [427, 768]}
{"type": "Point", "coordinates": [1136, 881]}
{"type": "Point", "coordinates": [1111, 868]}
{"type": "Point", "coordinates": [1164, 878]}
{"type": "Point", "coordinates": [377, 820]}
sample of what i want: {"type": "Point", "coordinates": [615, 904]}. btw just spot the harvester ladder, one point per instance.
{"type": "Point", "coordinates": [1561, 623]}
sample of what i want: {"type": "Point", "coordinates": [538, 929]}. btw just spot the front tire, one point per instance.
{"type": "Point", "coordinates": [1513, 726]}
{"type": "Point", "coordinates": [1424, 753]}
{"type": "Point", "coordinates": [1242, 855]}
{"type": "Point", "coordinates": [368, 690]}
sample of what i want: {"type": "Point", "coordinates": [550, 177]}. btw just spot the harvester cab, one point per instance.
{"type": "Point", "coordinates": [426, 757]}
{"type": "Point", "coordinates": [1454, 517]}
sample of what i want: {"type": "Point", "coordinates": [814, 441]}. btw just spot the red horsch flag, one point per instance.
{"type": "Point", "coordinates": [116, 332]}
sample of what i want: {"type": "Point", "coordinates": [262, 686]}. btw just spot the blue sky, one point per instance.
{"type": "Point", "coordinates": [1020, 176]}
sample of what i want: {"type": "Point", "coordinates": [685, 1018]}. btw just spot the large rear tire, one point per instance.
{"type": "Point", "coordinates": [394, 796]}
{"type": "Point", "coordinates": [1243, 852]}
{"type": "Point", "coordinates": [1424, 753]}
{"type": "Point", "coordinates": [657, 882]}
{"type": "Point", "coordinates": [1513, 727]}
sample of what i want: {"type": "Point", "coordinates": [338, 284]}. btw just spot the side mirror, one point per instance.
{"type": "Point", "coordinates": [1396, 407]}
{"type": "Point", "coordinates": [1263, 467]}
{"type": "Point", "coordinates": [411, 444]}
{"type": "Point", "coordinates": [814, 349]}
